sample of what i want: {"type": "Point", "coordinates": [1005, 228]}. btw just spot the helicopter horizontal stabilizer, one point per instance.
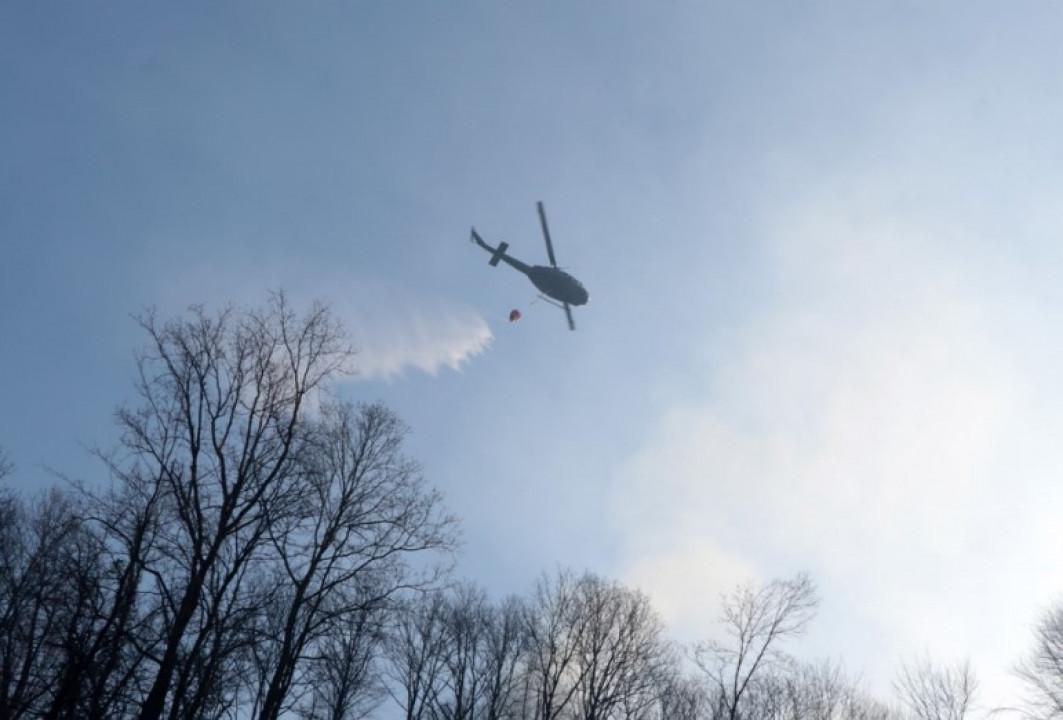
{"type": "Point", "coordinates": [498, 253]}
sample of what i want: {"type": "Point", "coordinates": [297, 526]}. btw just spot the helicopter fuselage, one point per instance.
{"type": "Point", "coordinates": [553, 282]}
{"type": "Point", "coordinates": [558, 284]}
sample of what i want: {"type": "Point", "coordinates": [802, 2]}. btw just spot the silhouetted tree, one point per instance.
{"type": "Point", "coordinates": [554, 620]}
{"type": "Point", "coordinates": [931, 692]}
{"type": "Point", "coordinates": [261, 554]}
{"type": "Point", "coordinates": [757, 621]}
{"type": "Point", "coordinates": [217, 434]}
{"type": "Point", "coordinates": [49, 592]}
{"type": "Point", "coordinates": [680, 697]}
{"type": "Point", "coordinates": [1042, 670]}
{"type": "Point", "coordinates": [505, 646]}
{"type": "Point", "coordinates": [343, 679]}
{"type": "Point", "coordinates": [619, 649]}
{"type": "Point", "coordinates": [343, 546]}
{"type": "Point", "coordinates": [807, 691]}
{"type": "Point", "coordinates": [415, 651]}
{"type": "Point", "coordinates": [58, 574]}
{"type": "Point", "coordinates": [112, 669]}
{"type": "Point", "coordinates": [463, 676]}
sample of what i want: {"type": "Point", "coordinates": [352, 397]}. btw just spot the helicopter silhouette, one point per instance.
{"type": "Point", "coordinates": [557, 286]}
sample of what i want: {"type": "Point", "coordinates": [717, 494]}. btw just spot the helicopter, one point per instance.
{"type": "Point", "coordinates": [557, 286]}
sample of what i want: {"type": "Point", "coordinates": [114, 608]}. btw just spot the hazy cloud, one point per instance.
{"type": "Point", "coordinates": [877, 425]}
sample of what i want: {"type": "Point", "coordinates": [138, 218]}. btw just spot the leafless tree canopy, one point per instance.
{"type": "Point", "coordinates": [801, 691]}
{"type": "Point", "coordinates": [929, 692]}
{"type": "Point", "coordinates": [758, 621]}
{"type": "Point", "coordinates": [581, 647]}
{"type": "Point", "coordinates": [266, 551]}
{"type": "Point", "coordinates": [242, 561]}
{"type": "Point", "coordinates": [1042, 670]}
{"type": "Point", "coordinates": [415, 651]}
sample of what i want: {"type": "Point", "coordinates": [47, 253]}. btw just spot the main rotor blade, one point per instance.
{"type": "Point", "coordinates": [568, 314]}
{"type": "Point", "coordinates": [546, 234]}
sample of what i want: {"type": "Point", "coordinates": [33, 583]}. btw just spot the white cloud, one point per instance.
{"type": "Point", "coordinates": [877, 426]}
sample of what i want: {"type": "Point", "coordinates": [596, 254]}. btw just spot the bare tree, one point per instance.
{"type": "Point", "coordinates": [219, 427]}
{"type": "Point", "coordinates": [344, 682]}
{"type": "Point", "coordinates": [931, 692]}
{"type": "Point", "coordinates": [343, 546]}
{"type": "Point", "coordinates": [415, 652]}
{"type": "Point", "coordinates": [107, 679]}
{"type": "Point", "coordinates": [680, 697]}
{"type": "Point", "coordinates": [58, 572]}
{"type": "Point", "coordinates": [79, 679]}
{"type": "Point", "coordinates": [505, 644]}
{"type": "Point", "coordinates": [757, 621]}
{"type": "Point", "coordinates": [1042, 670]}
{"type": "Point", "coordinates": [554, 620]}
{"type": "Point", "coordinates": [822, 691]}
{"type": "Point", "coordinates": [619, 650]}
{"type": "Point", "coordinates": [210, 675]}
{"type": "Point", "coordinates": [463, 678]}
{"type": "Point", "coordinates": [49, 585]}
{"type": "Point", "coordinates": [771, 695]}
{"type": "Point", "coordinates": [809, 691]}
{"type": "Point", "coordinates": [247, 553]}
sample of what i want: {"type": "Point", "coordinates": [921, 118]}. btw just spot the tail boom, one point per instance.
{"type": "Point", "coordinates": [498, 254]}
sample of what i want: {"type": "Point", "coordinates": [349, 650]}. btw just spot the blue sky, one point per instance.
{"type": "Point", "coordinates": [821, 243]}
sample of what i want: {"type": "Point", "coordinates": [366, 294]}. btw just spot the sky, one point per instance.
{"type": "Point", "coordinates": [821, 242]}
